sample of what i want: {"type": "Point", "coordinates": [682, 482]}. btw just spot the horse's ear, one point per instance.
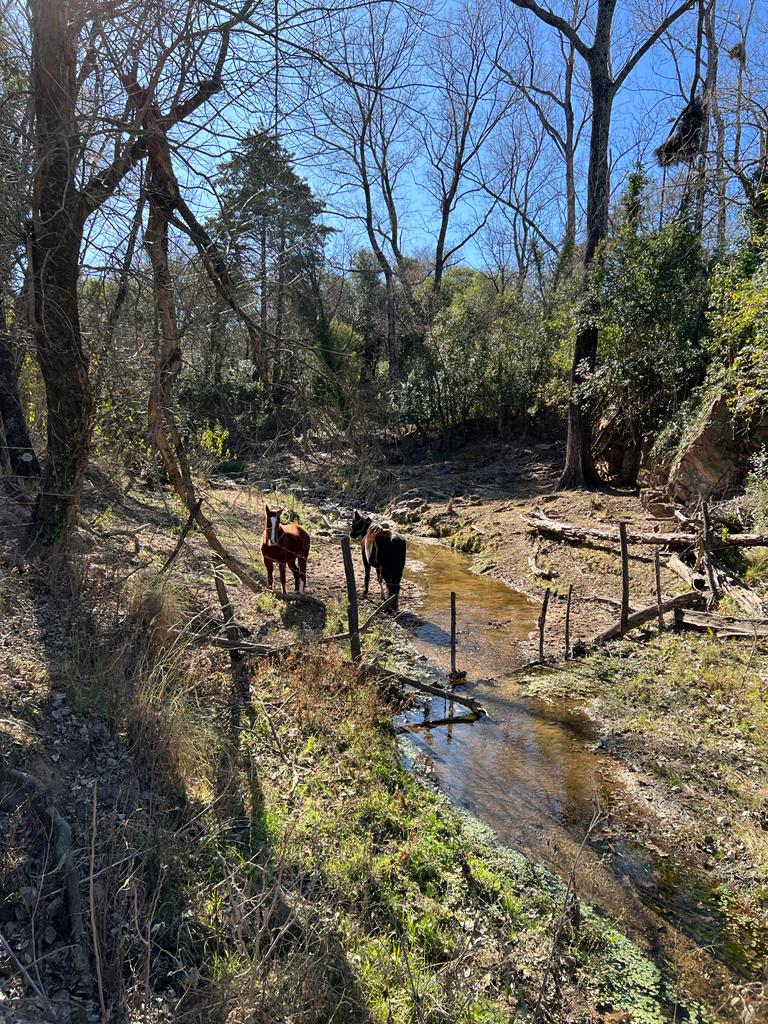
{"type": "Point", "coordinates": [266, 509]}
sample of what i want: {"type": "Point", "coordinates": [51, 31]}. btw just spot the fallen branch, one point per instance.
{"type": "Point", "coordinates": [614, 602]}
{"type": "Point", "coordinates": [23, 971]}
{"type": "Point", "coordinates": [183, 536]}
{"type": "Point", "coordinates": [434, 691]}
{"type": "Point", "coordinates": [361, 629]}
{"type": "Point", "coordinates": [644, 615]}
{"type": "Point", "coordinates": [233, 643]}
{"type": "Point", "coordinates": [62, 849]}
{"type": "Point", "coordinates": [544, 574]}
{"type": "Point", "coordinates": [723, 625]}
{"type": "Point", "coordinates": [430, 723]}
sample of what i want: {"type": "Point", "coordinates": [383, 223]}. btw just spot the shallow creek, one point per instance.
{"type": "Point", "coordinates": [531, 771]}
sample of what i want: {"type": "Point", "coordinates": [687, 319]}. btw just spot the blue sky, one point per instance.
{"type": "Point", "coordinates": [642, 113]}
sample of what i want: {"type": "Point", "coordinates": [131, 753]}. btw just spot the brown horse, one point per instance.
{"type": "Point", "coordinates": [286, 545]}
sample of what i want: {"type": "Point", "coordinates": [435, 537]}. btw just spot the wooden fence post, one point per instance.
{"type": "Point", "coordinates": [624, 578]}
{"type": "Point", "coordinates": [455, 674]}
{"type": "Point", "coordinates": [568, 623]}
{"type": "Point", "coordinates": [707, 545]}
{"type": "Point", "coordinates": [542, 622]}
{"type": "Point", "coordinates": [354, 628]}
{"type": "Point", "coordinates": [657, 572]}
{"type": "Point", "coordinates": [453, 635]}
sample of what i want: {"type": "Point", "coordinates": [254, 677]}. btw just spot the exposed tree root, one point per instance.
{"type": "Point", "coordinates": [62, 849]}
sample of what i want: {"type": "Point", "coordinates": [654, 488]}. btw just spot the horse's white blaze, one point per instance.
{"type": "Point", "coordinates": [273, 521]}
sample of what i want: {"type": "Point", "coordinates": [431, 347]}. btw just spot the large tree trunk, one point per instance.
{"type": "Point", "coordinates": [579, 471]}
{"type": "Point", "coordinates": [19, 454]}
{"type": "Point", "coordinates": [57, 223]}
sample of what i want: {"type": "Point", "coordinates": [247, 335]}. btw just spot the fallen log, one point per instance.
{"type": "Point", "coordinates": [644, 615]}
{"type": "Point", "coordinates": [541, 523]}
{"type": "Point", "coordinates": [433, 691]}
{"type": "Point", "coordinates": [742, 540]}
{"type": "Point", "coordinates": [692, 577]}
{"type": "Point", "coordinates": [730, 584]}
{"type": "Point", "coordinates": [741, 595]}
{"type": "Point", "coordinates": [723, 625]}
{"type": "Point", "coordinates": [431, 723]}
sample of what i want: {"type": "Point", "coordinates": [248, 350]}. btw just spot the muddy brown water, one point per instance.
{"type": "Point", "coordinates": [531, 771]}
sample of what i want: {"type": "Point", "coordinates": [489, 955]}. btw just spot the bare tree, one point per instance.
{"type": "Point", "coordinates": [78, 53]}
{"type": "Point", "coordinates": [359, 114]}
{"type": "Point", "coordinates": [471, 100]}
{"type": "Point", "coordinates": [604, 83]}
{"type": "Point", "coordinates": [552, 97]}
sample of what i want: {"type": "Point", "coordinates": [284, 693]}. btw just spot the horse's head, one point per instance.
{"type": "Point", "coordinates": [272, 528]}
{"type": "Point", "coordinates": [360, 524]}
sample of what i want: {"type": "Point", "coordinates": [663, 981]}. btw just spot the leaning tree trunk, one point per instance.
{"type": "Point", "coordinates": [19, 454]}
{"type": "Point", "coordinates": [579, 471]}
{"type": "Point", "coordinates": [56, 228]}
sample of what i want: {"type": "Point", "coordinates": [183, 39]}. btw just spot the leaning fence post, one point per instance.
{"type": "Point", "coordinates": [354, 628]}
{"type": "Point", "coordinates": [542, 622]}
{"type": "Point", "coordinates": [624, 578]}
{"type": "Point", "coordinates": [657, 572]}
{"type": "Point", "coordinates": [568, 623]}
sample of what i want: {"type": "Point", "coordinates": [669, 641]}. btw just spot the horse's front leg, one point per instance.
{"type": "Point", "coordinates": [282, 576]}
{"type": "Point", "coordinates": [270, 565]}
{"type": "Point", "coordinates": [381, 584]}
{"type": "Point", "coordinates": [367, 570]}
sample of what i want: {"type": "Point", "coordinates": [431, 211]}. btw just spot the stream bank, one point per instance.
{"type": "Point", "coordinates": [398, 894]}
{"type": "Point", "coordinates": [696, 899]}
{"type": "Point", "coordinates": [539, 771]}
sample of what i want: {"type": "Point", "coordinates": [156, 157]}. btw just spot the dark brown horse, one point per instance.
{"type": "Point", "coordinates": [383, 550]}
{"type": "Point", "coordinates": [286, 545]}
